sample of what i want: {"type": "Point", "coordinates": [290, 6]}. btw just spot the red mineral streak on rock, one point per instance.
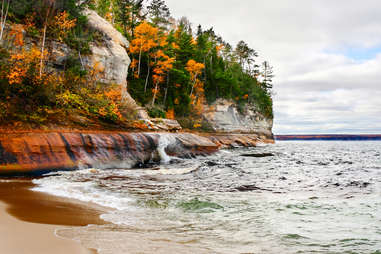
{"type": "Point", "coordinates": [36, 153]}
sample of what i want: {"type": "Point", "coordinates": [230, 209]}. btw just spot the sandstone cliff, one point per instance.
{"type": "Point", "coordinates": [36, 153]}
{"type": "Point", "coordinates": [223, 116]}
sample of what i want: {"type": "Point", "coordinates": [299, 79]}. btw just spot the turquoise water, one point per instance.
{"type": "Point", "coordinates": [310, 197]}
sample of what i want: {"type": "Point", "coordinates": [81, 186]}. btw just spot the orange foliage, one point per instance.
{"type": "Point", "coordinates": [197, 93]}
{"type": "Point", "coordinates": [170, 114]}
{"type": "Point", "coordinates": [17, 31]}
{"type": "Point", "coordinates": [20, 64]}
{"type": "Point", "coordinates": [146, 38]}
{"type": "Point", "coordinates": [219, 47]}
{"type": "Point", "coordinates": [140, 125]}
{"type": "Point", "coordinates": [175, 46]}
{"type": "Point", "coordinates": [62, 24]}
{"type": "Point", "coordinates": [194, 69]}
{"type": "Point", "coordinates": [161, 67]}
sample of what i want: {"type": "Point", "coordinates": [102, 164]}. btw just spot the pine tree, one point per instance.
{"type": "Point", "coordinates": [267, 75]}
{"type": "Point", "coordinates": [159, 13]}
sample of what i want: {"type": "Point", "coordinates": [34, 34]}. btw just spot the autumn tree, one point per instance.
{"type": "Point", "coordinates": [62, 24]}
{"type": "Point", "coordinates": [194, 69]}
{"type": "Point", "coordinates": [48, 7]}
{"type": "Point", "coordinates": [162, 66]}
{"type": "Point", "coordinates": [146, 38]}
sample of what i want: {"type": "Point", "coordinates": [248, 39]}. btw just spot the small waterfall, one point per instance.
{"type": "Point", "coordinates": [164, 141]}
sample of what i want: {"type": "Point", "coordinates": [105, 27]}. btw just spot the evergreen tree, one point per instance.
{"type": "Point", "coordinates": [267, 75]}
{"type": "Point", "coordinates": [159, 13]}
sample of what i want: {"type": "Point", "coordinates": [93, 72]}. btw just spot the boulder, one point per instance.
{"type": "Point", "coordinates": [223, 116]}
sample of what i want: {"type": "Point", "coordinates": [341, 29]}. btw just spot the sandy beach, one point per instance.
{"type": "Point", "coordinates": [28, 221]}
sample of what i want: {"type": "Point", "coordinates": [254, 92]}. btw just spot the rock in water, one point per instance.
{"type": "Point", "coordinates": [258, 155]}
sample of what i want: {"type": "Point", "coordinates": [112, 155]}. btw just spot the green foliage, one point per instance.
{"type": "Point", "coordinates": [229, 72]}
{"type": "Point", "coordinates": [156, 112]}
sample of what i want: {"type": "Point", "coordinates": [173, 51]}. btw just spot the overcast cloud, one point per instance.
{"type": "Point", "coordinates": [326, 56]}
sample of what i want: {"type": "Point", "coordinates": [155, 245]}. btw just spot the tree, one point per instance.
{"type": "Point", "coordinates": [159, 13]}
{"type": "Point", "coordinates": [49, 9]}
{"type": "Point", "coordinates": [267, 75]}
{"type": "Point", "coordinates": [4, 14]}
{"type": "Point", "coordinates": [129, 13]}
{"type": "Point", "coordinates": [62, 24]}
{"type": "Point", "coordinates": [162, 66]}
{"type": "Point", "coordinates": [146, 38]}
{"type": "Point", "coordinates": [195, 69]}
{"type": "Point", "coordinates": [245, 54]}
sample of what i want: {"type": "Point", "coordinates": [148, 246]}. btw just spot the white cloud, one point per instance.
{"type": "Point", "coordinates": [316, 91]}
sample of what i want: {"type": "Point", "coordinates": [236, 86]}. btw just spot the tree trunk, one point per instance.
{"type": "Point", "coordinates": [194, 83]}
{"type": "Point", "coordinates": [3, 17]}
{"type": "Point", "coordinates": [149, 70]}
{"type": "Point", "coordinates": [43, 46]}
{"type": "Point", "coordinates": [140, 58]}
{"type": "Point", "coordinates": [154, 94]}
{"type": "Point", "coordinates": [166, 90]}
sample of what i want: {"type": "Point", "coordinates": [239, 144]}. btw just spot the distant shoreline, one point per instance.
{"type": "Point", "coordinates": [331, 137]}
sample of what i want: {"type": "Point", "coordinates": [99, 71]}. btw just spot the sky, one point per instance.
{"type": "Point", "coordinates": [326, 56]}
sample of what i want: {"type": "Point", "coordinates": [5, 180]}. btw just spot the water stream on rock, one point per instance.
{"type": "Point", "coordinates": [309, 197]}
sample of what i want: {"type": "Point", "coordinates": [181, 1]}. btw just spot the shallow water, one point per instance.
{"type": "Point", "coordinates": [310, 197]}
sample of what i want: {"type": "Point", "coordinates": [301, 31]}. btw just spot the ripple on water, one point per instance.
{"type": "Point", "coordinates": [310, 197]}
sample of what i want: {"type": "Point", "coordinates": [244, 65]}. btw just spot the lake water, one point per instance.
{"type": "Point", "coordinates": [310, 197]}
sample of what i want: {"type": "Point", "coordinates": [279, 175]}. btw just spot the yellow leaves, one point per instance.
{"type": "Point", "coordinates": [96, 72]}
{"type": "Point", "coordinates": [62, 24]}
{"type": "Point", "coordinates": [194, 68]}
{"type": "Point", "coordinates": [245, 97]}
{"type": "Point", "coordinates": [175, 46]}
{"type": "Point", "coordinates": [20, 64]}
{"type": "Point", "coordinates": [17, 31]}
{"type": "Point", "coordinates": [16, 75]}
{"type": "Point", "coordinates": [163, 41]}
{"type": "Point", "coordinates": [177, 101]}
{"type": "Point", "coordinates": [219, 47]}
{"type": "Point", "coordinates": [109, 16]}
{"type": "Point", "coordinates": [198, 97]}
{"type": "Point", "coordinates": [114, 94]}
{"type": "Point", "coordinates": [134, 64]}
{"type": "Point", "coordinates": [170, 114]}
{"type": "Point", "coordinates": [197, 125]}
{"type": "Point", "coordinates": [146, 38]}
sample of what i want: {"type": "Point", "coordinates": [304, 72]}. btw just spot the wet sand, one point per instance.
{"type": "Point", "coordinates": [28, 220]}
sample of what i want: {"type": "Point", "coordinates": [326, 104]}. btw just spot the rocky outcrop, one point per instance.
{"type": "Point", "coordinates": [223, 116]}
{"type": "Point", "coordinates": [110, 53]}
{"type": "Point", "coordinates": [36, 153]}
{"type": "Point", "coordinates": [232, 140]}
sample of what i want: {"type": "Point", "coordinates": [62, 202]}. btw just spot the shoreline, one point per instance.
{"type": "Point", "coordinates": [29, 220]}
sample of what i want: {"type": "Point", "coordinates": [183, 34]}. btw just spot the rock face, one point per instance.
{"type": "Point", "coordinates": [36, 153]}
{"type": "Point", "coordinates": [110, 53]}
{"type": "Point", "coordinates": [224, 117]}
